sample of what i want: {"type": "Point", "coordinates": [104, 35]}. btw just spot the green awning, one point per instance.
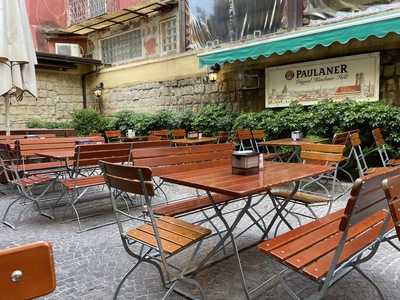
{"type": "Point", "coordinates": [325, 35]}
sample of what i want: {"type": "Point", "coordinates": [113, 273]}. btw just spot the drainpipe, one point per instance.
{"type": "Point", "coordinates": [83, 79]}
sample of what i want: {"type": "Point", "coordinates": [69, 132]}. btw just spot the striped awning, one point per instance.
{"type": "Point", "coordinates": [325, 35]}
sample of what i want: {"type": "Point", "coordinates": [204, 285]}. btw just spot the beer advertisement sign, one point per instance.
{"type": "Point", "coordinates": [354, 77]}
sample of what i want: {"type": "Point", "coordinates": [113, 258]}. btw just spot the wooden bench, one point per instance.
{"type": "Point", "coordinates": [164, 161]}
{"type": "Point", "coordinates": [325, 249]}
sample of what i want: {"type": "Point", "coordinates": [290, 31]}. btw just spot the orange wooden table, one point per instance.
{"type": "Point", "coordinates": [221, 180]}
{"type": "Point", "coordinates": [56, 154]}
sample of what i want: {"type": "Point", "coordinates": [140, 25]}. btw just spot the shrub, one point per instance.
{"type": "Point", "coordinates": [88, 121]}
{"type": "Point", "coordinates": [213, 118]}
{"type": "Point", "coordinates": [37, 123]}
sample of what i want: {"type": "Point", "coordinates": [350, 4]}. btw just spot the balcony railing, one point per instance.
{"type": "Point", "coordinates": [81, 10]}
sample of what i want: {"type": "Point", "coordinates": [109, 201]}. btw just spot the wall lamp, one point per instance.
{"type": "Point", "coordinates": [98, 92]}
{"type": "Point", "coordinates": [213, 72]}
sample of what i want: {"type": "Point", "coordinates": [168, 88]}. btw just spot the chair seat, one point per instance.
{"type": "Point", "coordinates": [175, 234]}
{"type": "Point", "coordinates": [304, 197]}
{"type": "Point", "coordinates": [189, 205]}
{"type": "Point", "coordinates": [309, 249]}
{"type": "Point", "coordinates": [32, 180]}
{"type": "Point", "coordinates": [83, 182]}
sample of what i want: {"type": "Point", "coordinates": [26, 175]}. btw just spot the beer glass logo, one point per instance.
{"type": "Point", "coordinates": [289, 75]}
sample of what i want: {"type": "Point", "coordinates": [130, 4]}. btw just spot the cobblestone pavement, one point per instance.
{"type": "Point", "coordinates": [89, 265]}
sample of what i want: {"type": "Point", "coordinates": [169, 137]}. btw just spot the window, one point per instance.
{"type": "Point", "coordinates": [168, 35]}
{"type": "Point", "coordinates": [68, 49]}
{"type": "Point", "coordinates": [122, 47]}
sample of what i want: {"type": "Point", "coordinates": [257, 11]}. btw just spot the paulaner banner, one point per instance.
{"type": "Point", "coordinates": [354, 77]}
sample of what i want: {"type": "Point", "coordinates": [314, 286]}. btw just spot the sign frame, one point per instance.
{"type": "Point", "coordinates": [374, 57]}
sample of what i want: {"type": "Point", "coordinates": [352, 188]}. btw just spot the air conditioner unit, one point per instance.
{"type": "Point", "coordinates": [68, 49]}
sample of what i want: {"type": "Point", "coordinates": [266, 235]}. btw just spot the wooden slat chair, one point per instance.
{"type": "Point", "coordinates": [245, 139]}
{"type": "Point", "coordinates": [27, 271]}
{"type": "Point", "coordinates": [86, 163]}
{"type": "Point", "coordinates": [178, 133]}
{"type": "Point", "coordinates": [160, 238]}
{"type": "Point", "coordinates": [391, 186]}
{"type": "Point", "coordinates": [163, 133]}
{"type": "Point", "coordinates": [381, 146]}
{"type": "Point", "coordinates": [25, 185]}
{"type": "Point", "coordinates": [113, 135]}
{"type": "Point", "coordinates": [309, 193]}
{"type": "Point", "coordinates": [258, 137]}
{"type": "Point", "coordinates": [223, 137]}
{"type": "Point", "coordinates": [327, 249]}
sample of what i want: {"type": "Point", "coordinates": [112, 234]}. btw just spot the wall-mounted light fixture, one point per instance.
{"type": "Point", "coordinates": [98, 92]}
{"type": "Point", "coordinates": [213, 72]}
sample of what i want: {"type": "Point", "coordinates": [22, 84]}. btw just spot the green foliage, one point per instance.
{"type": "Point", "coordinates": [37, 123]}
{"type": "Point", "coordinates": [213, 118]}
{"type": "Point", "coordinates": [88, 121]}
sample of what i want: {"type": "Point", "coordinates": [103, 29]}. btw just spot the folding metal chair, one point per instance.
{"type": "Point", "coordinates": [381, 146]}
{"type": "Point", "coordinates": [357, 152]}
{"type": "Point", "coordinates": [314, 193]}
{"type": "Point", "coordinates": [328, 249]}
{"type": "Point", "coordinates": [158, 238]}
{"type": "Point", "coordinates": [245, 139]}
{"type": "Point", "coordinates": [26, 187]}
{"type": "Point", "coordinates": [391, 187]}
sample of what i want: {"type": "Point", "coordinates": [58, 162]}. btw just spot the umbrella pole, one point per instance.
{"type": "Point", "coordinates": [7, 108]}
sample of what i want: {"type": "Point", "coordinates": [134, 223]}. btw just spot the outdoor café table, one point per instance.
{"type": "Point", "coordinates": [188, 142]}
{"type": "Point", "coordinates": [220, 180]}
{"type": "Point", "coordinates": [288, 142]}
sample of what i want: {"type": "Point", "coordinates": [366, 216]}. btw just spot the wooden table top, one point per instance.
{"type": "Point", "coordinates": [186, 141]}
{"type": "Point", "coordinates": [221, 180]}
{"type": "Point", "coordinates": [290, 142]}
{"type": "Point", "coordinates": [56, 154]}
{"type": "Point", "coordinates": [135, 138]}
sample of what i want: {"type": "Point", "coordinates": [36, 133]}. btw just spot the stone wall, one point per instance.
{"type": "Point", "coordinates": [390, 77]}
{"type": "Point", "coordinates": [59, 93]}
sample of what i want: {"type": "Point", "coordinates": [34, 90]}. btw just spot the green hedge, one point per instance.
{"type": "Point", "coordinates": [37, 123]}
{"type": "Point", "coordinates": [323, 120]}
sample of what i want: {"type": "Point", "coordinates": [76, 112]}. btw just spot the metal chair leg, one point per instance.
{"type": "Point", "coordinates": [3, 220]}
{"type": "Point", "coordinates": [125, 277]}
{"type": "Point", "coordinates": [370, 281]}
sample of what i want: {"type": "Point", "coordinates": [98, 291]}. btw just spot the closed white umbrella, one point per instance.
{"type": "Point", "coordinates": [17, 54]}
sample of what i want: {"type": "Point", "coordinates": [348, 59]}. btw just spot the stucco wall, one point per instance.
{"type": "Point", "coordinates": [59, 93]}
{"type": "Point", "coordinates": [177, 82]}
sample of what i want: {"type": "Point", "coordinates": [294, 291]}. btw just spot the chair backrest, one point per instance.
{"type": "Point", "coordinates": [91, 154]}
{"type": "Point", "coordinates": [27, 271]}
{"type": "Point", "coordinates": [151, 144]}
{"type": "Point", "coordinates": [28, 147]}
{"type": "Point", "coordinates": [164, 161]}
{"type": "Point", "coordinates": [178, 133]}
{"type": "Point", "coordinates": [223, 137]}
{"type": "Point", "coordinates": [378, 137]}
{"type": "Point", "coordinates": [391, 186]}
{"type": "Point", "coordinates": [324, 154]}
{"type": "Point", "coordinates": [129, 179]}
{"type": "Point", "coordinates": [343, 138]}
{"type": "Point", "coordinates": [356, 150]}
{"type": "Point", "coordinates": [258, 134]}
{"type": "Point", "coordinates": [367, 197]}
{"type": "Point", "coordinates": [163, 133]}
{"type": "Point", "coordinates": [245, 139]}
{"type": "Point", "coordinates": [112, 135]}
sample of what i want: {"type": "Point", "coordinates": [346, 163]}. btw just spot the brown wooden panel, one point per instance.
{"type": "Point", "coordinates": [258, 134]}
{"type": "Point", "coordinates": [378, 136]}
{"type": "Point", "coordinates": [392, 191]}
{"type": "Point", "coordinates": [182, 231]}
{"type": "Point", "coordinates": [309, 157]}
{"type": "Point", "coordinates": [166, 235]}
{"type": "Point", "coordinates": [178, 133]}
{"type": "Point", "coordinates": [318, 250]}
{"type": "Point", "coordinates": [186, 225]}
{"type": "Point", "coordinates": [320, 267]}
{"type": "Point", "coordinates": [149, 239]}
{"type": "Point", "coordinates": [298, 232]}
{"type": "Point", "coordinates": [165, 170]}
{"type": "Point", "coordinates": [355, 139]}
{"type": "Point", "coordinates": [104, 147]}
{"type": "Point", "coordinates": [325, 148]}
{"type": "Point", "coordinates": [112, 133]}
{"type": "Point", "coordinates": [36, 262]}
{"type": "Point", "coordinates": [81, 182]}
{"type": "Point", "coordinates": [129, 185]}
{"type": "Point", "coordinates": [149, 144]}
{"type": "Point", "coordinates": [243, 134]}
